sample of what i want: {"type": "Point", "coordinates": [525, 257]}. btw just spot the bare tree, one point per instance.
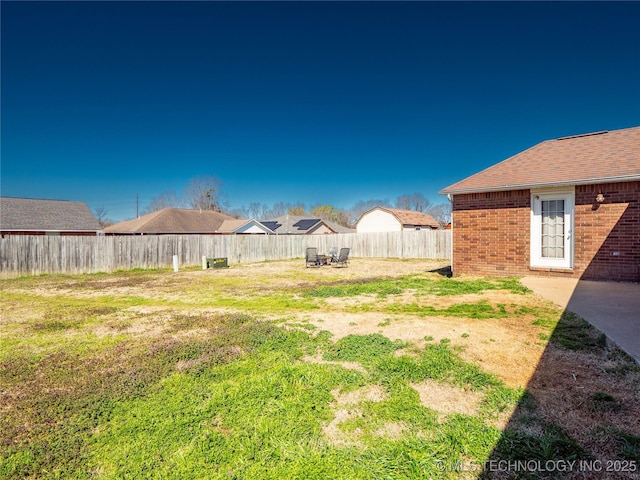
{"type": "Point", "coordinates": [203, 193]}
{"type": "Point", "coordinates": [297, 211]}
{"type": "Point", "coordinates": [101, 215]}
{"type": "Point", "coordinates": [364, 206]}
{"type": "Point", "coordinates": [441, 213]}
{"type": "Point", "coordinates": [280, 208]}
{"type": "Point", "coordinates": [166, 199]}
{"type": "Point", "coordinates": [255, 210]}
{"type": "Point", "coordinates": [331, 214]}
{"type": "Point", "coordinates": [415, 201]}
{"type": "Point", "coordinates": [343, 217]}
{"type": "Point", "coordinates": [324, 212]}
{"type": "Point", "coordinates": [236, 212]}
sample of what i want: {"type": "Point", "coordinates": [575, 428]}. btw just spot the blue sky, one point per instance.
{"type": "Point", "coordinates": [313, 102]}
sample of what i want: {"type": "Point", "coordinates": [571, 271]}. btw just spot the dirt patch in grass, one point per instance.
{"type": "Point", "coordinates": [391, 430]}
{"type": "Point", "coordinates": [335, 436]}
{"type": "Point", "coordinates": [509, 348]}
{"type": "Point", "coordinates": [447, 399]}
{"type": "Point", "coordinates": [372, 393]}
{"type": "Point", "coordinates": [493, 297]}
{"type": "Point", "coordinates": [150, 321]}
{"type": "Point", "coordinates": [346, 408]}
{"type": "Point", "coordinates": [348, 365]}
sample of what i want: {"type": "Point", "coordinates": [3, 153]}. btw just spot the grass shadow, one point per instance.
{"type": "Point", "coordinates": [580, 415]}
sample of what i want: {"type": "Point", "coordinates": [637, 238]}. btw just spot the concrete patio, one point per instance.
{"type": "Point", "coordinates": [611, 307]}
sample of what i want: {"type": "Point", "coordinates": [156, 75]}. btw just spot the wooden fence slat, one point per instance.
{"type": "Point", "coordinates": [38, 254]}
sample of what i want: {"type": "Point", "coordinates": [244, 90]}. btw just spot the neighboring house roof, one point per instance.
{"type": "Point", "coordinates": [409, 217]}
{"type": "Point", "coordinates": [339, 228]}
{"type": "Point", "coordinates": [608, 156]}
{"type": "Point", "coordinates": [235, 225]}
{"type": "Point", "coordinates": [295, 224]}
{"type": "Point", "coordinates": [172, 220]}
{"type": "Point", "coordinates": [33, 214]}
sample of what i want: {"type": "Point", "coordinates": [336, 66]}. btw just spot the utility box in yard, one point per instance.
{"type": "Point", "coordinates": [217, 262]}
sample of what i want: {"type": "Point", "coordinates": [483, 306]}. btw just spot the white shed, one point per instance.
{"type": "Point", "coordinates": [383, 219]}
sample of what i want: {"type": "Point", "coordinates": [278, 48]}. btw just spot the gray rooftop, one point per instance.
{"type": "Point", "coordinates": [293, 224]}
{"type": "Point", "coordinates": [32, 214]}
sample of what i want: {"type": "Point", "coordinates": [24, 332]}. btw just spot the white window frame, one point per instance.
{"type": "Point", "coordinates": [537, 197]}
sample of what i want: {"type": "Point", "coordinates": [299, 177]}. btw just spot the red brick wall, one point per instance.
{"type": "Point", "coordinates": [491, 233]}
{"type": "Point", "coordinates": [608, 235]}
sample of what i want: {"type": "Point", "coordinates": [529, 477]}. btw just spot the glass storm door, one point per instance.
{"type": "Point", "coordinates": [551, 230]}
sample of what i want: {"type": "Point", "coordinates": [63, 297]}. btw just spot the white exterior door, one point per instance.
{"type": "Point", "coordinates": [552, 228]}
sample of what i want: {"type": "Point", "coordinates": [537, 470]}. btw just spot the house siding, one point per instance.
{"type": "Point", "coordinates": [491, 233]}
{"type": "Point", "coordinates": [378, 221]}
{"type": "Point", "coordinates": [251, 229]}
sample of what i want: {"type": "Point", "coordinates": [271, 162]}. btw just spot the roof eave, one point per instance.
{"type": "Point", "coordinates": [527, 186]}
{"type": "Point", "coordinates": [53, 230]}
{"type": "Point", "coordinates": [255, 223]}
{"type": "Point", "coordinates": [151, 232]}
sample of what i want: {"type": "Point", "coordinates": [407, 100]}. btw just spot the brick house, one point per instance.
{"type": "Point", "coordinates": [566, 207]}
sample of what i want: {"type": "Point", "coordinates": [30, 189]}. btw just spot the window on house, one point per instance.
{"type": "Point", "coordinates": [552, 228]}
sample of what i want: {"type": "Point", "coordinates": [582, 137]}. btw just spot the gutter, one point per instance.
{"type": "Point", "coordinates": [528, 186]}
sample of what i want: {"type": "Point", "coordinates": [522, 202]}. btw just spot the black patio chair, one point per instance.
{"type": "Point", "coordinates": [343, 258]}
{"type": "Point", "coordinates": [311, 257]}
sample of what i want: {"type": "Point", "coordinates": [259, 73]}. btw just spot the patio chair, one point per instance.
{"type": "Point", "coordinates": [311, 257]}
{"type": "Point", "coordinates": [343, 258]}
{"type": "Point", "coordinates": [333, 254]}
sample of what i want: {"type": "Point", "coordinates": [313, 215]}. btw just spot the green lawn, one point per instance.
{"type": "Point", "coordinates": [151, 374]}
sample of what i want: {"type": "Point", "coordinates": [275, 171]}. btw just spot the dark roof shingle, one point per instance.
{"type": "Point", "coordinates": [33, 214]}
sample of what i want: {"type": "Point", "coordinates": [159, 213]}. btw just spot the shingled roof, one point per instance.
{"type": "Point", "coordinates": [39, 215]}
{"type": "Point", "coordinates": [172, 220]}
{"type": "Point", "coordinates": [411, 217]}
{"type": "Point", "coordinates": [608, 156]}
{"type": "Point", "coordinates": [234, 225]}
{"type": "Point", "coordinates": [295, 224]}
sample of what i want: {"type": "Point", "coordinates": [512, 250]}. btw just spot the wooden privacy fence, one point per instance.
{"type": "Point", "coordinates": [34, 255]}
